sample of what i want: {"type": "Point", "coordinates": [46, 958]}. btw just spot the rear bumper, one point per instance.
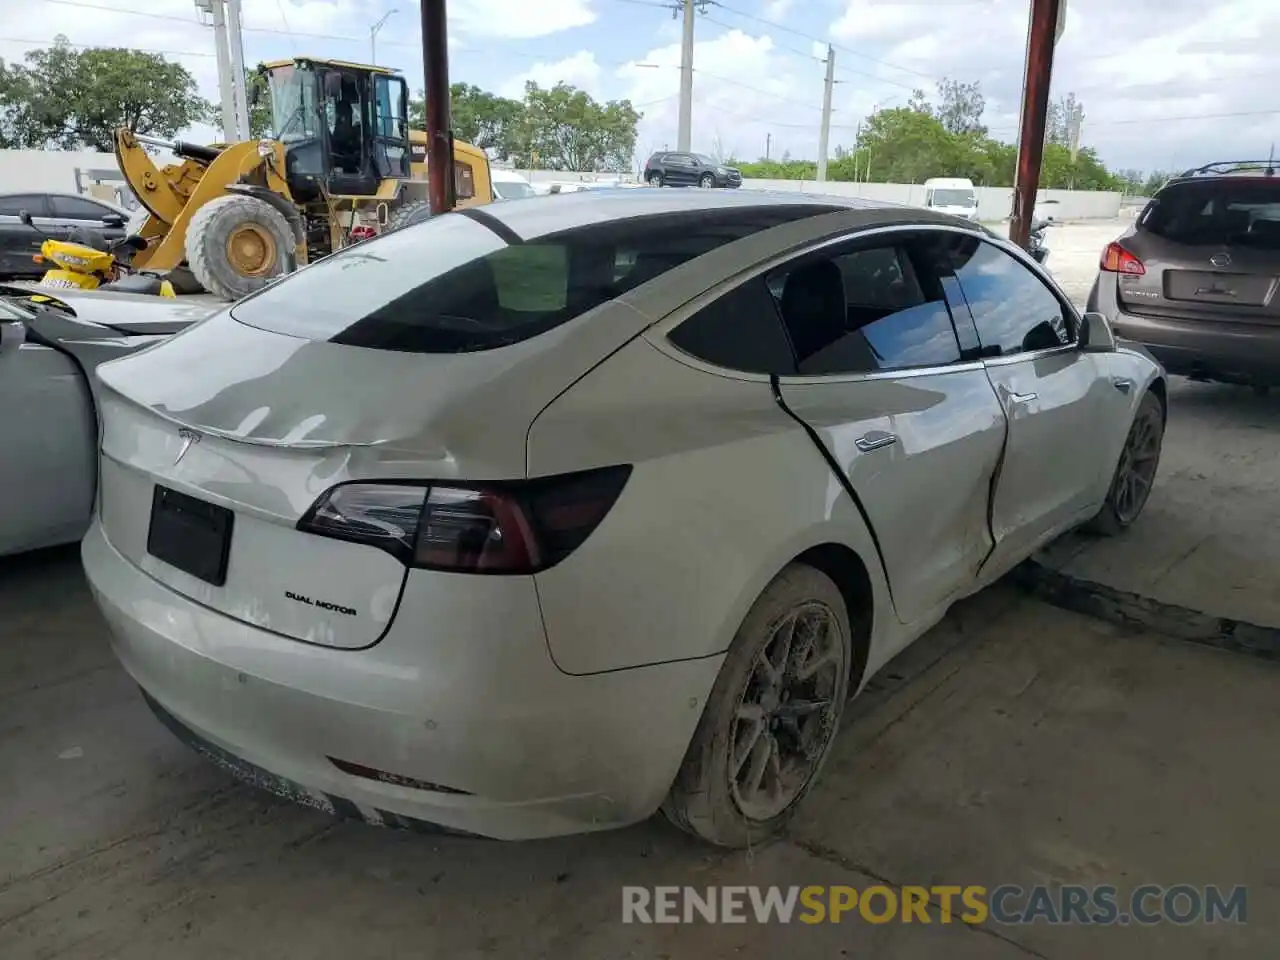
{"type": "Point", "coordinates": [1229, 352]}
{"type": "Point", "coordinates": [496, 740]}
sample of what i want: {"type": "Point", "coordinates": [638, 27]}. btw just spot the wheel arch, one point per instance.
{"type": "Point", "coordinates": [848, 571]}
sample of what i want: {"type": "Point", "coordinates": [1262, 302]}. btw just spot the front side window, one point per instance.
{"type": "Point", "coordinates": [1013, 309]}
{"type": "Point", "coordinates": [452, 284]}
{"type": "Point", "coordinates": [866, 310]}
{"type": "Point", "coordinates": [75, 208]}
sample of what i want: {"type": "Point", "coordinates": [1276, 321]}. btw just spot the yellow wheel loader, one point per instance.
{"type": "Point", "coordinates": [341, 166]}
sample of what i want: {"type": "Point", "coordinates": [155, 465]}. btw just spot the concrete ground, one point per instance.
{"type": "Point", "coordinates": [1015, 744]}
{"type": "Point", "coordinates": [1209, 538]}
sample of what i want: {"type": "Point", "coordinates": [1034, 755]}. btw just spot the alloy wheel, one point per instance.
{"type": "Point", "coordinates": [788, 712]}
{"type": "Point", "coordinates": [1138, 463]}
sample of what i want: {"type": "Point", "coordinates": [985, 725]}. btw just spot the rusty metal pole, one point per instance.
{"type": "Point", "coordinates": [435, 64]}
{"type": "Point", "coordinates": [1035, 110]}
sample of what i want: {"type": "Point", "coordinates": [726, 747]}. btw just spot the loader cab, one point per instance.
{"type": "Point", "coordinates": [344, 126]}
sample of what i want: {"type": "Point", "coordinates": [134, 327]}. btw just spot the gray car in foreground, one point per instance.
{"type": "Point", "coordinates": [1196, 279]}
{"type": "Point", "coordinates": [48, 423]}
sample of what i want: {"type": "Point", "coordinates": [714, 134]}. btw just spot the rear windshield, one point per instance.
{"type": "Point", "coordinates": [454, 284]}
{"type": "Point", "coordinates": [1238, 211]}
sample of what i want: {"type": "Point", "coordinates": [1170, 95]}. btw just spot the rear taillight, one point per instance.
{"type": "Point", "coordinates": [509, 527]}
{"type": "Point", "coordinates": [1116, 259]}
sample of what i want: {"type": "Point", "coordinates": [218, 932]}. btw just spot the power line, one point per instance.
{"type": "Point", "coordinates": [759, 90]}
{"type": "Point", "coordinates": [810, 36]}
{"type": "Point", "coordinates": [1128, 121]}
{"type": "Point", "coordinates": [810, 56]}
{"type": "Point", "coordinates": [106, 46]}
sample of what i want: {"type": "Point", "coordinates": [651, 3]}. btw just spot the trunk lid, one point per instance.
{"type": "Point", "coordinates": [255, 426]}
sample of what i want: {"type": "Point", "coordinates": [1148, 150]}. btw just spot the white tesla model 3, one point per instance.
{"type": "Point", "coordinates": [540, 517]}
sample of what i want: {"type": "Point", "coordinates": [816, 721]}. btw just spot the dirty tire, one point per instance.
{"type": "Point", "coordinates": [655, 180]}
{"type": "Point", "coordinates": [1117, 515]}
{"type": "Point", "coordinates": [705, 797]}
{"type": "Point", "coordinates": [706, 181]}
{"type": "Point", "coordinates": [207, 244]}
{"type": "Point", "coordinates": [408, 213]}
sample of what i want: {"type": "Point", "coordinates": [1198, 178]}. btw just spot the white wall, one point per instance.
{"type": "Point", "coordinates": [22, 170]}
{"type": "Point", "coordinates": [55, 170]}
{"type": "Point", "coordinates": [994, 203]}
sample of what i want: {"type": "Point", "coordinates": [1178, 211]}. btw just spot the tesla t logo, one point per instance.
{"type": "Point", "coordinates": [189, 438]}
{"type": "Point", "coordinates": [1220, 260]}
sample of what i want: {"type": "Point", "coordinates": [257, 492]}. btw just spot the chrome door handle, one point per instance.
{"type": "Point", "coordinates": [874, 441]}
{"type": "Point", "coordinates": [1123, 384]}
{"type": "Point", "coordinates": [1023, 397]}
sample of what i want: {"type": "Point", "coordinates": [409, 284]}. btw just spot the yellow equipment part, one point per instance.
{"type": "Point", "coordinates": [174, 194]}
{"type": "Point", "coordinates": [472, 182]}
{"type": "Point", "coordinates": [77, 258]}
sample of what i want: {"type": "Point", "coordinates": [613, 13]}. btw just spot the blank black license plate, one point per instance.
{"type": "Point", "coordinates": [190, 534]}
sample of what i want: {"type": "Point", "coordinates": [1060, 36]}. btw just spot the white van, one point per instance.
{"type": "Point", "coordinates": [509, 185]}
{"type": "Point", "coordinates": [953, 195]}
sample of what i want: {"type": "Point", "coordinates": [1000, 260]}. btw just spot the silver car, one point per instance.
{"type": "Point", "coordinates": [48, 427]}
{"type": "Point", "coordinates": [538, 517]}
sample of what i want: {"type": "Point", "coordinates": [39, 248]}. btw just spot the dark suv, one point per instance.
{"type": "Point", "coordinates": [674, 169]}
{"type": "Point", "coordinates": [1196, 279]}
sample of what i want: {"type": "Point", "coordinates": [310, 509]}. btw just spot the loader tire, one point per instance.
{"type": "Point", "coordinates": [237, 244]}
{"type": "Point", "coordinates": [408, 213]}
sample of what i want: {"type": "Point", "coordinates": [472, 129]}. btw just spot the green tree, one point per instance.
{"type": "Point", "coordinates": [919, 102]}
{"type": "Point", "coordinates": [960, 106]}
{"type": "Point", "coordinates": [478, 117]}
{"type": "Point", "coordinates": [65, 99]}
{"type": "Point", "coordinates": [907, 145]}
{"type": "Point", "coordinates": [565, 129]}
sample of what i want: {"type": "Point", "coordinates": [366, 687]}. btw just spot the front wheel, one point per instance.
{"type": "Point", "coordinates": [237, 244]}
{"type": "Point", "coordinates": [706, 181]}
{"type": "Point", "coordinates": [409, 213]}
{"type": "Point", "coordinates": [655, 179]}
{"type": "Point", "coordinates": [772, 715]}
{"type": "Point", "coordinates": [1136, 472]}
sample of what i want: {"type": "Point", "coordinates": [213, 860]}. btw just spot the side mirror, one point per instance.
{"type": "Point", "coordinates": [113, 221]}
{"type": "Point", "coordinates": [25, 217]}
{"type": "Point", "coordinates": [12, 336]}
{"type": "Point", "coordinates": [1096, 335]}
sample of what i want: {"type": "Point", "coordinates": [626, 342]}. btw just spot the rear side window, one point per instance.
{"type": "Point", "coordinates": [1238, 211]}
{"type": "Point", "coordinates": [466, 282]}
{"type": "Point", "coordinates": [739, 331]}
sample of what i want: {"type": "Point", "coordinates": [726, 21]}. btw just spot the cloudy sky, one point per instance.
{"type": "Point", "coordinates": [1164, 83]}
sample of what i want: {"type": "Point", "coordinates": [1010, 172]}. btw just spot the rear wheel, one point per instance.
{"type": "Point", "coordinates": [409, 213]}
{"type": "Point", "coordinates": [237, 244]}
{"type": "Point", "coordinates": [1136, 472]}
{"type": "Point", "coordinates": [772, 714]}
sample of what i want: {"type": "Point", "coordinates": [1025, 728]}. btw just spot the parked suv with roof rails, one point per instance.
{"type": "Point", "coordinates": [1196, 279]}
{"type": "Point", "coordinates": [673, 168]}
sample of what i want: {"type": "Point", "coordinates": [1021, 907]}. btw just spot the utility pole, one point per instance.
{"type": "Point", "coordinates": [435, 63]}
{"type": "Point", "coordinates": [824, 134]}
{"type": "Point", "coordinates": [768, 142]}
{"type": "Point", "coordinates": [239, 79]}
{"type": "Point", "coordinates": [226, 79]}
{"type": "Point", "coordinates": [1047, 17]}
{"type": "Point", "coordinates": [684, 133]}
